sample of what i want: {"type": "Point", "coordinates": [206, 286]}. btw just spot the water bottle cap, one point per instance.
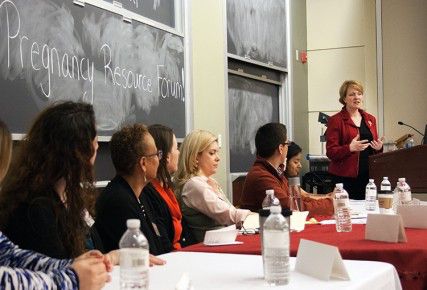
{"type": "Point", "coordinates": [269, 191]}
{"type": "Point", "coordinates": [133, 223]}
{"type": "Point", "coordinates": [339, 185]}
{"type": "Point", "coordinates": [371, 180]}
{"type": "Point", "coordinates": [385, 178]}
{"type": "Point", "coordinates": [402, 179]}
{"type": "Point", "coordinates": [294, 181]}
{"type": "Point", "coordinates": [276, 209]}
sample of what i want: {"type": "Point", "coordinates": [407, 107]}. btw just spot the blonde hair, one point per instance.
{"type": "Point", "coordinates": [194, 143]}
{"type": "Point", "coordinates": [349, 84]}
{"type": "Point", "coordinates": [5, 149]}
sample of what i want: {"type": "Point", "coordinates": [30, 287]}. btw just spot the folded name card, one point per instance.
{"type": "Point", "coordinates": [298, 220]}
{"type": "Point", "coordinates": [223, 236]}
{"type": "Point", "coordinates": [320, 261]}
{"type": "Point", "coordinates": [413, 216]}
{"type": "Point", "coordinates": [385, 228]}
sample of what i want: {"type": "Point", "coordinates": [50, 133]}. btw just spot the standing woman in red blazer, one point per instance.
{"type": "Point", "coordinates": [350, 138]}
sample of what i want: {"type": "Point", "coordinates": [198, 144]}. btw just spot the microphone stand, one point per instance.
{"type": "Point", "coordinates": [401, 123]}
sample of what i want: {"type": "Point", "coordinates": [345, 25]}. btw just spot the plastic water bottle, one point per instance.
{"type": "Point", "coordinates": [269, 199]}
{"type": "Point", "coordinates": [409, 143]}
{"type": "Point", "coordinates": [134, 258]}
{"type": "Point", "coordinates": [385, 184]}
{"type": "Point", "coordinates": [371, 196]}
{"type": "Point", "coordinates": [342, 209]}
{"type": "Point", "coordinates": [402, 194]}
{"type": "Point", "coordinates": [295, 200]}
{"type": "Point", "coordinates": [275, 254]}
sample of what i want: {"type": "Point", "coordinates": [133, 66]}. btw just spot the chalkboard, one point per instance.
{"type": "Point", "coordinates": [54, 50]}
{"type": "Point", "coordinates": [162, 11]}
{"type": "Point", "coordinates": [256, 29]}
{"type": "Point", "coordinates": [252, 104]}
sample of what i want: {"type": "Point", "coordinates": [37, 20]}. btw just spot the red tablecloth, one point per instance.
{"type": "Point", "coordinates": [410, 259]}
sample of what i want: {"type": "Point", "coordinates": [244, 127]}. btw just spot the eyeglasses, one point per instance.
{"type": "Point", "coordinates": [286, 143]}
{"type": "Point", "coordinates": [248, 232]}
{"type": "Point", "coordinates": [159, 154]}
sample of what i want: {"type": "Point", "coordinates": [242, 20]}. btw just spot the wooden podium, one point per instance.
{"type": "Point", "coordinates": [409, 163]}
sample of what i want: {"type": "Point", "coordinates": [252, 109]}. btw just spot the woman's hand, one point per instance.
{"type": "Point", "coordinates": [358, 145]}
{"type": "Point", "coordinates": [377, 144]}
{"type": "Point", "coordinates": [91, 270]}
{"type": "Point", "coordinates": [111, 259]}
{"type": "Point", "coordinates": [155, 261]}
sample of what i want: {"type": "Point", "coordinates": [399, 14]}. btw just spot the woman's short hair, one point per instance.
{"type": "Point", "coordinates": [127, 147]}
{"type": "Point", "coordinates": [269, 137]}
{"type": "Point", "coordinates": [5, 149]}
{"type": "Point", "coordinates": [194, 143]}
{"type": "Point", "coordinates": [163, 137]}
{"type": "Point", "coordinates": [349, 84]}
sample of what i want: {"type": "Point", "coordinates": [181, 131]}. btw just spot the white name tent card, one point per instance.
{"type": "Point", "coordinates": [413, 216]}
{"type": "Point", "coordinates": [320, 261]}
{"type": "Point", "coordinates": [385, 228]}
{"type": "Point", "coordinates": [298, 220]}
{"type": "Point", "coordinates": [223, 236]}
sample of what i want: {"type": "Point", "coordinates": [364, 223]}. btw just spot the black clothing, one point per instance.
{"type": "Point", "coordinates": [118, 203]}
{"type": "Point", "coordinates": [356, 186]}
{"type": "Point", "coordinates": [159, 214]}
{"type": "Point", "coordinates": [35, 226]}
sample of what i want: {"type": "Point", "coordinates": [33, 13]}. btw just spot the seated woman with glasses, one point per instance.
{"type": "Point", "coordinates": [136, 159]}
{"type": "Point", "coordinates": [159, 193]}
{"type": "Point", "coordinates": [203, 204]}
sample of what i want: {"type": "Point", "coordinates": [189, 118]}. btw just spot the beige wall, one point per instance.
{"type": "Point", "coordinates": [208, 73]}
{"type": "Point", "coordinates": [208, 57]}
{"type": "Point", "coordinates": [298, 74]}
{"type": "Point", "coordinates": [405, 66]}
{"type": "Point", "coordinates": [341, 45]}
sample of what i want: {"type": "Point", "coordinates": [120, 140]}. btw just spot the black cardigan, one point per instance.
{"type": "Point", "coordinates": [116, 204]}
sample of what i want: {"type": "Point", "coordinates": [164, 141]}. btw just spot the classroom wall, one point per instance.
{"type": "Point", "coordinates": [298, 75]}
{"type": "Point", "coordinates": [208, 57]}
{"type": "Point", "coordinates": [341, 45]}
{"type": "Point", "coordinates": [405, 66]}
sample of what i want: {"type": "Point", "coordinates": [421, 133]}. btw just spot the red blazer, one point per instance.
{"type": "Point", "coordinates": [341, 130]}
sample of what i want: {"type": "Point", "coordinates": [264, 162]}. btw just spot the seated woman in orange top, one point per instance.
{"type": "Point", "coordinates": [159, 191]}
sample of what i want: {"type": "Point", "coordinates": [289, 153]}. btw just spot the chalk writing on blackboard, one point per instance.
{"type": "Point", "coordinates": [61, 51]}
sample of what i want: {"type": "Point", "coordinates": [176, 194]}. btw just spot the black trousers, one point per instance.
{"type": "Point", "coordinates": [354, 186]}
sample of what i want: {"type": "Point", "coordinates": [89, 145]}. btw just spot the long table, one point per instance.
{"type": "Point", "coordinates": [410, 259]}
{"type": "Point", "coordinates": [210, 271]}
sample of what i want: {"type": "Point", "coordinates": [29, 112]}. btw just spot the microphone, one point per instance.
{"type": "Point", "coordinates": [401, 123]}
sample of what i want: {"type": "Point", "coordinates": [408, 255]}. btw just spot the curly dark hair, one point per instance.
{"type": "Point", "coordinates": [163, 137]}
{"type": "Point", "coordinates": [127, 147]}
{"type": "Point", "coordinates": [58, 146]}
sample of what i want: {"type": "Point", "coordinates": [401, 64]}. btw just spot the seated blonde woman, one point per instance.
{"type": "Point", "coordinates": [203, 204]}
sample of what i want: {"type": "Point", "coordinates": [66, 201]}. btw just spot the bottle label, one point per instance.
{"type": "Point", "coordinates": [406, 196]}
{"type": "Point", "coordinates": [371, 192]}
{"type": "Point", "coordinates": [341, 203]}
{"type": "Point", "coordinates": [136, 258]}
{"type": "Point", "coordinates": [385, 187]}
{"type": "Point", "coordinates": [275, 239]}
